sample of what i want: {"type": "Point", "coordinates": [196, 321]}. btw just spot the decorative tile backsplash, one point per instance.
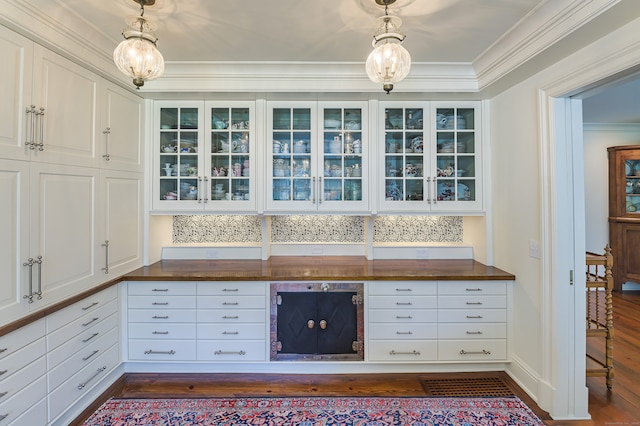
{"type": "Point", "coordinates": [247, 229]}
{"type": "Point", "coordinates": [217, 229]}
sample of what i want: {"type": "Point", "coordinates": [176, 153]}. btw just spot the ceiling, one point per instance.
{"type": "Point", "coordinates": [305, 30]}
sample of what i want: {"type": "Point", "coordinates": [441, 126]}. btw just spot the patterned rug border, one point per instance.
{"type": "Point", "coordinates": [272, 410]}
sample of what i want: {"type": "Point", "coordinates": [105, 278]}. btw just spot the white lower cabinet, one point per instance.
{"type": "Point", "coordinates": [23, 361]}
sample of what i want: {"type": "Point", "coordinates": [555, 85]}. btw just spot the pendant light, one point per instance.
{"type": "Point", "coordinates": [137, 55]}
{"type": "Point", "coordinates": [389, 62]}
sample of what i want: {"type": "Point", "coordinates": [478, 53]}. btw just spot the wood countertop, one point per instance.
{"type": "Point", "coordinates": [318, 268]}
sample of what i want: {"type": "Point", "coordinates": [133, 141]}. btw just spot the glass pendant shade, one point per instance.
{"type": "Point", "coordinates": [388, 63]}
{"type": "Point", "coordinates": [137, 55]}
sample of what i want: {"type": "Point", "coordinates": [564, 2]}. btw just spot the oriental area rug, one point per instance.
{"type": "Point", "coordinates": [316, 411]}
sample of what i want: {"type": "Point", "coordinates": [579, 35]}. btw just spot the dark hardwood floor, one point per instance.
{"type": "Point", "coordinates": [621, 406]}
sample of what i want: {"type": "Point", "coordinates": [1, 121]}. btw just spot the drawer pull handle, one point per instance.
{"type": "Point", "coordinates": [401, 317]}
{"type": "Point", "coordinates": [100, 370]}
{"type": "Point", "coordinates": [230, 317]}
{"type": "Point", "coordinates": [2, 394]}
{"type": "Point", "coordinates": [90, 337]}
{"type": "Point", "coordinates": [92, 354]}
{"type": "Point", "coordinates": [230, 289]}
{"type": "Point", "coordinates": [473, 289]}
{"type": "Point", "coordinates": [474, 316]}
{"type": "Point", "coordinates": [90, 306]}
{"type": "Point", "coordinates": [159, 317]}
{"type": "Point", "coordinates": [474, 332]}
{"type": "Point", "coordinates": [474, 303]}
{"type": "Point", "coordinates": [160, 332]}
{"type": "Point", "coordinates": [152, 352]}
{"type": "Point", "coordinates": [229, 353]}
{"type": "Point", "coordinates": [403, 289]}
{"type": "Point", "coordinates": [3, 416]}
{"type": "Point", "coordinates": [482, 352]}
{"type": "Point", "coordinates": [92, 321]}
{"type": "Point", "coordinates": [160, 289]}
{"type": "Point", "coordinates": [160, 303]}
{"type": "Point", "coordinates": [230, 332]}
{"type": "Point", "coordinates": [230, 303]}
{"type": "Point", "coordinates": [404, 332]}
{"type": "Point", "coordinates": [3, 372]}
{"type": "Point", "coordinates": [404, 303]}
{"type": "Point", "coordinates": [3, 350]}
{"type": "Point", "coordinates": [413, 352]}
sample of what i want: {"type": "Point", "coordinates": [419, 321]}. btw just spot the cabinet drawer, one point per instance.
{"type": "Point", "coordinates": [472, 302]}
{"type": "Point", "coordinates": [402, 288]}
{"type": "Point", "coordinates": [9, 343]}
{"type": "Point", "coordinates": [83, 308]}
{"type": "Point", "coordinates": [403, 331]}
{"type": "Point", "coordinates": [227, 350]}
{"type": "Point", "coordinates": [161, 302]}
{"type": "Point", "coordinates": [82, 342]}
{"type": "Point", "coordinates": [35, 415]}
{"type": "Point", "coordinates": [81, 382]}
{"type": "Point", "coordinates": [472, 331]}
{"type": "Point", "coordinates": [228, 316]}
{"type": "Point", "coordinates": [162, 331]}
{"type": "Point", "coordinates": [252, 288]}
{"type": "Point", "coordinates": [162, 350]}
{"type": "Point", "coordinates": [161, 288]}
{"type": "Point", "coordinates": [166, 315]}
{"type": "Point", "coordinates": [83, 326]}
{"type": "Point", "coordinates": [21, 358]}
{"type": "Point", "coordinates": [405, 315]}
{"type": "Point", "coordinates": [77, 360]}
{"type": "Point", "coordinates": [232, 331]}
{"type": "Point", "coordinates": [403, 302]}
{"type": "Point", "coordinates": [472, 350]}
{"type": "Point", "coordinates": [403, 350]}
{"type": "Point", "coordinates": [472, 316]}
{"type": "Point", "coordinates": [231, 302]}
{"type": "Point", "coordinates": [22, 401]}
{"type": "Point", "coordinates": [16, 382]}
{"type": "Point", "coordinates": [472, 287]}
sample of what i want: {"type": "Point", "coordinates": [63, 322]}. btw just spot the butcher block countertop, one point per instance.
{"type": "Point", "coordinates": [317, 268]}
{"type": "Point", "coordinates": [289, 268]}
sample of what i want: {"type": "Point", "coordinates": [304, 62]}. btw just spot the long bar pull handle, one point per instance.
{"type": "Point", "coordinates": [473, 289]}
{"type": "Point", "coordinates": [30, 127]}
{"type": "Point", "coordinates": [230, 289]}
{"type": "Point", "coordinates": [230, 317]}
{"type": "Point", "coordinates": [413, 352]}
{"type": "Point", "coordinates": [230, 303]}
{"type": "Point", "coordinates": [160, 332]}
{"type": "Point", "coordinates": [38, 261]}
{"type": "Point", "coordinates": [29, 296]}
{"type": "Point", "coordinates": [160, 303]}
{"type": "Point", "coordinates": [428, 190]}
{"type": "Point", "coordinates": [474, 332]}
{"type": "Point", "coordinates": [3, 416]}
{"type": "Point", "coordinates": [320, 190]}
{"type": "Point", "coordinates": [313, 190]}
{"type": "Point", "coordinates": [200, 189]}
{"type": "Point", "coordinates": [206, 192]}
{"type": "Point", "coordinates": [106, 256]}
{"type": "Point", "coordinates": [100, 370]}
{"type": "Point", "coordinates": [160, 289]}
{"type": "Point", "coordinates": [230, 332]}
{"type": "Point", "coordinates": [90, 322]}
{"type": "Point", "coordinates": [3, 394]}
{"type": "Point", "coordinates": [474, 303]}
{"type": "Point", "coordinates": [152, 352]}
{"type": "Point", "coordinates": [404, 303]}
{"type": "Point", "coordinates": [107, 133]}
{"type": "Point", "coordinates": [482, 352]}
{"type": "Point", "coordinates": [435, 191]}
{"type": "Point", "coordinates": [90, 337]}
{"type": "Point", "coordinates": [90, 306]}
{"type": "Point", "coordinates": [160, 317]}
{"type": "Point", "coordinates": [404, 332]}
{"type": "Point", "coordinates": [401, 317]}
{"type": "Point", "coordinates": [229, 353]}
{"type": "Point", "coordinates": [40, 116]}
{"type": "Point", "coordinates": [90, 355]}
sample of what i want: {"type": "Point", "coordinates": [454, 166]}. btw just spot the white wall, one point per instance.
{"type": "Point", "coordinates": [597, 138]}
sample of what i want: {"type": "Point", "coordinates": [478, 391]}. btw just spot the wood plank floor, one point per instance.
{"type": "Point", "coordinates": [621, 406]}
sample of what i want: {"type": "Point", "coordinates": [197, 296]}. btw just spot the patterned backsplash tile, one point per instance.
{"type": "Point", "coordinates": [229, 229]}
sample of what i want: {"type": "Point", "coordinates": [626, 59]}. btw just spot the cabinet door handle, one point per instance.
{"type": "Point", "coordinates": [100, 370]}
{"type": "Point", "coordinates": [40, 116]}
{"type": "Point", "coordinates": [160, 303]}
{"type": "Point", "coordinates": [107, 133]}
{"type": "Point", "coordinates": [413, 352]}
{"type": "Point", "coordinates": [231, 332]}
{"type": "Point", "coordinates": [38, 261]}
{"type": "Point", "coordinates": [404, 332]}
{"type": "Point", "coordinates": [199, 189]}
{"type": "Point", "coordinates": [473, 289]}
{"type": "Point", "coordinates": [152, 352]}
{"type": "Point", "coordinates": [320, 190]}
{"type": "Point", "coordinates": [482, 352]}
{"type": "Point", "coordinates": [159, 289]}
{"type": "Point", "coordinates": [403, 289]}
{"type": "Point", "coordinates": [106, 256]}
{"type": "Point", "coordinates": [30, 127]}
{"type": "Point", "coordinates": [160, 332]}
{"type": "Point", "coordinates": [230, 317]}
{"type": "Point", "coordinates": [29, 296]}
{"type": "Point", "coordinates": [313, 190]}
{"type": "Point", "coordinates": [428, 190]}
{"type": "Point", "coordinates": [92, 321]}
{"type": "Point", "coordinates": [407, 317]}
{"type": "Point", "coordinates": [90, 355]}
{"type": "Point", "coordinates": [230, 303]}
{"type": "Point", "coordinates": [229, 352]}
{"type": "Point", "coordinates": [90, 306]}
{"type": "Point", "coordinates": [206, 192]}
{"type": "Point", "coordinates": [435, 191]}
{"type": "Point", "coordinates": [404, 303]}
{"type": "Point", "coordinates": [90, 337]}
{"type": "Point", "coordinates": [474, 316]}
{"type": "Point", "coordinates": [159, 317]}
{"type": "Point", "coordinates": [474, 332]}
{"type": "Point", "coordinates": [230, 289]}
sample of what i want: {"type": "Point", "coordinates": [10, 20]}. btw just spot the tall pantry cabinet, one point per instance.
{"type": "Point", "coordinates": [61, 224]}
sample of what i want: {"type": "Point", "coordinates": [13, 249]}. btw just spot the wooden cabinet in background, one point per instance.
{"type": "Point", "coordinates": [624, 213]}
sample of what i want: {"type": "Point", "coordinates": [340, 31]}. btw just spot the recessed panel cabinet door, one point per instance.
{"type": "Point", "coordinates": [14, 234]}
{"type": "Point", "coordinates": [121, 241]}
{"type": "Point", "coordinates": [67, 94]}
{"type": "Point", "coordinates": [63, 218]}
{"type": "Point", "coordinates": [15, 86]}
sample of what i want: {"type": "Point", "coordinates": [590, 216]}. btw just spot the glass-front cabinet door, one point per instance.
{"type": "Point", "coordinates": [429, 157]}
{"type": "Point", "coordinates": [317, 156]}
{"type": "Point", "coordinates": [204, 153]}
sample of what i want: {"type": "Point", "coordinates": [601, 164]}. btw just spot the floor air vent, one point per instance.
{"type": "Point", "coordinates": [462, 387]}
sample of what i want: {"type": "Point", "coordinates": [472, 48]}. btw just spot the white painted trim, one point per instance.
{"type": "Point", "coordinates": [211, 252]}
{"type": "Point", "coordinates": [422, 252]}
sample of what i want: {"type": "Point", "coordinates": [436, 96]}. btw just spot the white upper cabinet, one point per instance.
{"type": "Point", "coordinates": [430, 157]}
{"type": "Point", "coordinates": [51, 109]}
{"type": "Point", "coordinates": [317, 157]}
{"type": "Point", "coordinates": [204, 156]}
{"type": "Point", "coordinates": [121, 145]}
